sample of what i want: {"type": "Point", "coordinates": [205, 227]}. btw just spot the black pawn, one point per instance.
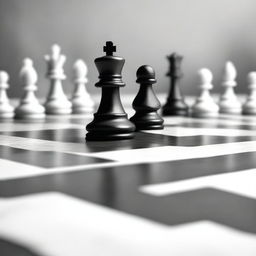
{"type": "Point", "coordinates": [146, 103]}
{"type": "Point", "coordinates": [110, 121]}
{"type": "Point", "coordinates": [175, 104]}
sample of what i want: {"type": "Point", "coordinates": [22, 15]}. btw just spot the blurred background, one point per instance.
{"type": "Point", "coordinates": [206, 32]}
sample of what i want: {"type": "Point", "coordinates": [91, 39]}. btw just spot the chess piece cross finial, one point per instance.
{"type": "Point", "coordinates": [109, 48]}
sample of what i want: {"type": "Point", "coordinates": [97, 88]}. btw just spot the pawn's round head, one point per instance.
{"type": "Point", "coordinates": [80, 68]}
{"type": "Point", "coordinates": [146, 74]}
{"type": "Point", "coordinates": [55, 50]}
{"type": "Point", "coordinates": [27, 62]}
{"type": "Point", "coordinates": [4, 77]}
{"type": "Point", "coordinates": [229, 72]}
{"type": "Point", "coordinates": [205, 76]}
{"type": "Point", "coordinates": [28, 73]}
{"type": "Point", "coordinates": [251, 78]}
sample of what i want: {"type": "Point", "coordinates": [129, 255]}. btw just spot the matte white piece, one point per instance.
{"type": "Point", "coordinates": [205, 105]}
{"type": "Point", "coordinates": [6, 110]}
{"type": "Point", "coordinates": [249, 107]}
{"type": "Point", "coordinates": [56, 102]}
{"type": "Point", "coordinates": [82, 102]}
{"type": "Point", "coordinates": [229, 103]}
{"type": "Point", "coordinates": [29, 107]}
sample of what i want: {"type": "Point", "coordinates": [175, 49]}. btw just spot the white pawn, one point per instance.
{"type": "Point", "coordinates": [56, 102]}
{"type": "Point", "coordinates": [249, 107]}
{"type": "Point", "coordinates": [81, 100]}
{"type": "Point", "coordinates": [6, 110]}
{"type": "Point", "coordinates": [205, 105]}
{"type": "Point", "coordinates": [29, 107]}
{"type": "Point", "coordinates": [229, 103]}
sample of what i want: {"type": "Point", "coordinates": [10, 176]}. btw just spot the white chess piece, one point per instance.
{"type": "Point", "coordinates": [249, 107]}
{"type": "Point", "coordinates": [29, 106]}
{"type": "Point", "coordinates": [56, 102]}
{"type": "Point", "coordinates": [229, 103]}
{"type": "Point", "coordinates": [81, 100]}
{"type": "Point", "coordinates": [205, 105]}
{"type": "Point", "coordinates": [6, 110]}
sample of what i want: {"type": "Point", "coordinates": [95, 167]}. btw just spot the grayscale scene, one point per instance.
{"type": "Point", "coordinates": [127, 128]}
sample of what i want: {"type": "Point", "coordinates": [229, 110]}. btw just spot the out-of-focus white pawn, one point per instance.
{"type": "Point", "coordinates": [6, 110]}
{"type": "Point", "coordinates": [29, 107]}
{"type": "Point", "coordinates": [229, 103]}
{"type": "Point", "coordinates": [81, 100]}
{"type": "Point", "coordinates": [249, 107]}
{"type": "Point", "coordinates": [56, 102]}
{"type": "Point", "coordinates": [205, 105]}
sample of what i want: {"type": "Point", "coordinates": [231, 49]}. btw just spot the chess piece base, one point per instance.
{"type": "Point", "coordinates": [249, 112]}
{"type": "Point", "coordinates": [110, 127]}
{"type": "Point", "coordinates": [82, 106]}
{"type": "Point", "coordinates": [57, 107]}
{"type": "Point", "coordinates": [249, 107]}
{"type": "Point", "coordinates": [205, 114]}
{"type": "Point", "coordinates": [204, 107]}
{"type": "Point", "coordinates": [30, 111]}
{"type": "Point", "coordinates": [235, 111]}
{"type": "Point", "coordinates": [6, 111]}
{"type": "Point", "coordinates": [147, 121]}
{"type": "Point", "coordinates": [108, 137]}
{"type": "Point", "coordinates": [82, 110]}
{"type": "Point", "coordinates": [230, 106]}
{"type": "Point", "coordinates": [29, 116]}
{"type": "Point", "coordinates": [6, 115]}
{"type": "Point", "coordinates": [175, 107]}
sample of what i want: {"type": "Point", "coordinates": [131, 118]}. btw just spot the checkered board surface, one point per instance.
{"type": "Point", "coordinates": [187, 190]}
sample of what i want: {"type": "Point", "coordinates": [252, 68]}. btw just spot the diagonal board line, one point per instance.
{"type": "Point", "coordinates": [142, 139]}
{"type": "Point", "coordinates": [47, 159]}
{"type": "Point", "coordinates": [242, 183]}
{"type": "Point", "coordinates": [118, 188]}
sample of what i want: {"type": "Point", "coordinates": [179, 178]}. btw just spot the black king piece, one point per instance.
{"type": "Point", "coordinates": [175, 104]}
{"type": "Point", "coordinates": [110, 121]}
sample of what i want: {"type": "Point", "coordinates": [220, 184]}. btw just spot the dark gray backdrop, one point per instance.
{"type": "Point", "coordinates": [206, 32]}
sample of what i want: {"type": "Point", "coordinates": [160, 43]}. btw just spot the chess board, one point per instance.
{"type": "Point", "coordinates": [186, 190]}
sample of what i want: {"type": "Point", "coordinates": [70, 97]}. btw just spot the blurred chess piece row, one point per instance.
{"type": "Point", "coordinates": [228, 102]}
{"type": "Point", "coordinates": [56, 101]}
{"type": "Point", "coordinates": [205, 106]}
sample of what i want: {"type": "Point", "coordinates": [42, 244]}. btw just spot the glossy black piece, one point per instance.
{"type": "Point", "coordinates": [110, 121]}
{"type": "Point", "coordinates": [175, 105]}
{"type": "Point", "coordinates": [146, 103]}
